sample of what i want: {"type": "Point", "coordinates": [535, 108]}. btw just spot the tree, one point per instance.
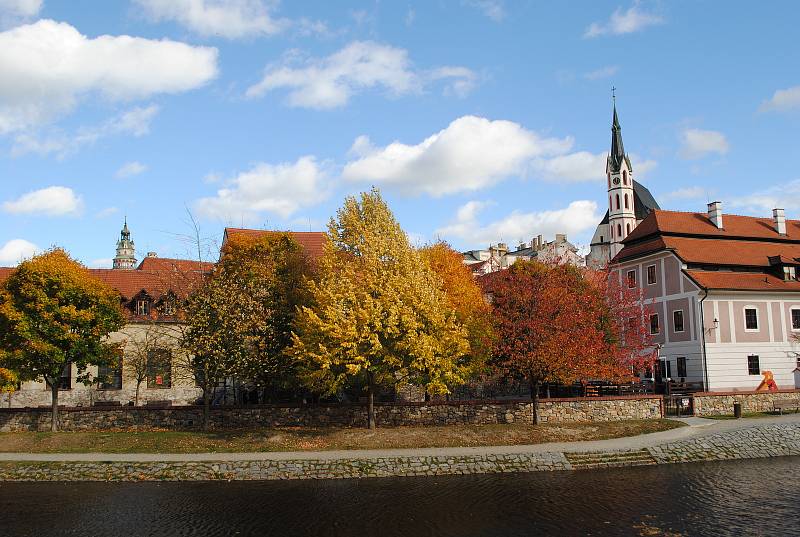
{"type": "Point", "coordinates": [141, 344]}
{"type": "Point", "coordinates": [54, 314]}
{"type": "Point", "coordinates": [560, 324]}
{"type": "Point", "coordinates": [9, 381]}
{"type": "Point", "coordinates": [378, 313]}
{"type": "Point", "coordinates": [466, 297]}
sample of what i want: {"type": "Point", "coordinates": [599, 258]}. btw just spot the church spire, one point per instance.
{"type": "Point", "coordinates": [617, 155]}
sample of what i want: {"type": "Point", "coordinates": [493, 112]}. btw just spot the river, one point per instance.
{"type": "Point", "coordinates": [758, 497]}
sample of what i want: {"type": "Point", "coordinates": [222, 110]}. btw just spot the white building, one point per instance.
{"type": "Point", "coordinates": [499, 257]}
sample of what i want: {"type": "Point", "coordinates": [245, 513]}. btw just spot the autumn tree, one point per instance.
{"type": "Point", "coordinates": [54, 314]}
{"type": "Point", "coordinates": [378, 314]}
{"type": "Point", "coordinates": [142, 343]}
{"type": "Point", "coordinates": [466, 297]}
{"type": "Point", "coordinates": [9, 382]}
{"type": "Point", "coordinates": [559, 324]}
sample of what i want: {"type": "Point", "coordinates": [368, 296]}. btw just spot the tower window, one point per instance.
{"type": "Point", "coordinates": [625, 177]}
{"type": "Point", "coordinates": [627, 229]}
{"type": "Point", "coordinates": [617, 201]}
{"type": "Point", "coordinates": [619, 231]}
{"type": "Point", "coordinates": [626, 201]}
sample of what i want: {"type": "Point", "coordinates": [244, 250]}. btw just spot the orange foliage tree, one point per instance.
{"type": "Point", "coordinates": [465, 297]}
{"type": "Point", "coordinates": [561, 324]}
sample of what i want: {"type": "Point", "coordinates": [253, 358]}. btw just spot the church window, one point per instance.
{"type": "Point", "coordinates": [627, 229]}
{"type": "Point", "coordinates": [617, 201]}
{"type": "Point", "coordinates": [619, 231]}
{"type": "Point", "coordinates": [625, 177]}
{"type": "Point", "coordinates": [626, 201]}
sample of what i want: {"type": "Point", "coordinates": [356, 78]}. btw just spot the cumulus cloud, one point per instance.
{"type": "Point", "coordinates": [48, 67]}
{"type": "Point", "coordinates": [688, 193]}
{"type": "Point", "coordinates": [135, 121]}
{"type": "Point", "coordinates": [577, 217]}
{"type": "Point", "coordinates": [16, 250]}
{"type": "Point", "coordinates": [129, 169]}
{"type": "Point", "coordinates": [782, 101]}
{"type": "Point", "coordinates": [784, 196]}
{"type": "Point", "coordinates": [584, 166]}
{"type": "Point", "coordinates": [230, 19]}
{"type": "Point", "coordinates": [50, 201]}
{"type": "Point", "coordinates": [12, 12]}
{"type": "Point", "coordinates": [634, 19]}
{"type": "Point", "coordinates": [330, 82]}
{"type": "Point", "coordinates": [697, 143]}
{"type": "Point", "coordinates": [494, 9]}
{"type": "Point", "coordinates": [603, 72]}
{"type": "Point", "coordinates": [281, 189]}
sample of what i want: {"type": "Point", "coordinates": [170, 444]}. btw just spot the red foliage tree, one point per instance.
{"type": "Point", "coordinates": [561, 324]}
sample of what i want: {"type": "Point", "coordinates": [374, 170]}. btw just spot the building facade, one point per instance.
{"type": "Point", "coordinates": [724, 295]}
{"type": "Point", "coordinates": [499, 256]}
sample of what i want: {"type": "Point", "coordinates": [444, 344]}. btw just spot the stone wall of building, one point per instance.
{"type": "Point", "coordinates": [86, 396]}
{"type": "Point", "coordinates": [387, 414]}
{"type": "Point", "coordinates": [720, 403]}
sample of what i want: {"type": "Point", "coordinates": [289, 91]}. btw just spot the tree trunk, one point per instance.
{"type": "Point", "coordinates": [54, 417]}
{"type": "Point", "coordinates": [206, 406]}
{"type": "Point", "coordinates": [535, 398]}
{"type": "Point", "coordinates": [371, 401]}
{"type": "Point", "coordinates": [136, 396]}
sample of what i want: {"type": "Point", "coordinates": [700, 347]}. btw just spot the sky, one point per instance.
{"type": "Point", "coordinates": [479, 120]}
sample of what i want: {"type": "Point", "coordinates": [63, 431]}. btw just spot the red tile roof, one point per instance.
{"type": "Point", "coordinates": [175, 265]}
{"type": "Point", "coordinates": [312, 241]}
{"type": "Point", "coordinates": [741, 281]}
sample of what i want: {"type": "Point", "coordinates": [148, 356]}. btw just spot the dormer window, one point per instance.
{"type": "Point", "coordinates": [789, 273]}
{"type": "Point", "coordinates": [142, 307]}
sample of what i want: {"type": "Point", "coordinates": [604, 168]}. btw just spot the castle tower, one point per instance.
{"type": "Point", "coordinates": [126, 252]}
{"type": "Point", "coordinates": [619, 173]}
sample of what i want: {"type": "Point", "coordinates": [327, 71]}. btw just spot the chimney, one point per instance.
{"type": "Point", "coordinates": [539, 242]}
{"type": "Point", "coordinates": [715, 213]}
{"type": "Point", "coordinates": [561, 238]}
{"type": "Point", "coordinates": [152, 254]}
{"type": "Point", "coordinates": [779, 217]}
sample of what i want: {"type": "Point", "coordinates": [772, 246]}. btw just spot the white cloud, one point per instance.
{"type": "Point", "coordinates": [784, 196]}
{"type": "Point", "coordinates": [105, 262]}
{"type": "Point", "coordinates": [50, 201]}
{"type": "Point", "coordinates": [494, 9]}
{"type": "Point", "coordinates": [281, 189]}
{"type": "Point", "coordinates": [584, 166]}
{"type": "Point", "coordinates": [129, 169]}
{"type": "Point", "coordinates": [782, 101]}
{"type": "Point", "coordinates": [48, 67]}
{"type": "Point", "coordinates": [135, 121]}
{"type": "Point", "coordinates": [105, 213]}
{"type": "Point", "coordinates": [603, 72]}
{"type": "Point", "coordinates": [577, 217]}
{"type": "Point", "coordinates": [621, 22]}
{"type": "Point", "coordinates": [16, 250]}
{"type": "Point", "coordinates": [688, 193]}
{"type": "Point", "coordinates": [224, 18]}
{"type": "Point", "coordinates": [13, 12]}
{"type": "Point", "coordinates": [330, 82]}
{"type": "Point", "coordinates": [697, 143]}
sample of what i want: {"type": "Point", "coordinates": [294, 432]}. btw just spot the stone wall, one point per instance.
{"type": "Point", "coordinates": [720, 403]}
{"type": "Point", "coordinates": [387, 414]}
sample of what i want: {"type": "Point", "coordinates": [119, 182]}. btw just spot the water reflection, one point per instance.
{"type": "Point", "coordinates": [734, 498]}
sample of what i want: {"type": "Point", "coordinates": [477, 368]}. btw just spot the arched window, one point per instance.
{"type": "Point", "coordinates": [619, 231]}
{"type": "Point", "coordinates": [628, 229]}
{"type": "Point", "coordinates": [617, 201]}
{"type": "Point", "coordinates": [625, 177]}
{"type": "Point", "coordinates": [626, 201]}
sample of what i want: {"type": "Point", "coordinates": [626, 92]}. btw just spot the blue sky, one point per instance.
{"type": "Point", "coordinates": [480, 120]}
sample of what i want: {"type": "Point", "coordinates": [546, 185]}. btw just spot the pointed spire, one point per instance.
{"type": "Point", "coordinates": [617, 155]}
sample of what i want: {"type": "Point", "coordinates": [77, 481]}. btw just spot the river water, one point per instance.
{"type": "Point", "coordinates": [760, 497]}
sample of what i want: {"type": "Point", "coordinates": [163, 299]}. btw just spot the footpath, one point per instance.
{"type": "Point", "coordinates": [701, 440]}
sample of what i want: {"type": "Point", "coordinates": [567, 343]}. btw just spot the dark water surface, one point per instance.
{"type": "Point", "coordinates": [759, 497]}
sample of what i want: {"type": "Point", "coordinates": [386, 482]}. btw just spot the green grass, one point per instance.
{"type": "Point", "coordinates": [314, 439]}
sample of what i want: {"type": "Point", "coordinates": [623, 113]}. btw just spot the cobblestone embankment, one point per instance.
{"type": "Point", "coordinates": [752, 442]}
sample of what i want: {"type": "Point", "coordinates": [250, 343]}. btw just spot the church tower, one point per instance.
{"type": "Point", "coordinates": [125, 258]}
{"type": "Point", "coordinates": [619, 173]}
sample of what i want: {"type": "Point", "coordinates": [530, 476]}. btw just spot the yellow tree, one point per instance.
{"type": "Point", "coordinates": [54, 314]}
{"type": "Point", "coordinates": [8, 382]}
{"type": "Point", "coordinates": [378, 311]}
{"type": "Point", "coordinates": [466, 298]}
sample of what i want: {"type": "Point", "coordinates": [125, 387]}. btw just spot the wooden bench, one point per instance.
{"type": "Point", "coordinates": [779, 405]}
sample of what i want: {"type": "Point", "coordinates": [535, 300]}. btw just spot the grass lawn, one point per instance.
{"type": "Point", "coordinates": [313, 439]}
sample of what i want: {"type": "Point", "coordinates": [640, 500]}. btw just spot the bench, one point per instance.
{"type": "Point", "coordinates": [779, 405]}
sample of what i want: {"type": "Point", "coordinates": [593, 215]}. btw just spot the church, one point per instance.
{"type": "Point", "coordinates": [629, 202]}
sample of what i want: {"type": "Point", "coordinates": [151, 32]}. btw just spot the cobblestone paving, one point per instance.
{"type": "Point", "coordinates": [753, 442]}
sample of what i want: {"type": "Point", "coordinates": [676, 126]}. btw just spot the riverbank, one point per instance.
{"type": "Point", "coordinates": [702, 440]}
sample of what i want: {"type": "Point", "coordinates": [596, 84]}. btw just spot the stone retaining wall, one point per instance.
{"type": "Point", "coordinates": [396, 414]}
{"type": "Point", "coordinates": [720, 403]}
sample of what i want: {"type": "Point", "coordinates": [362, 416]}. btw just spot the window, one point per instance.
{"type": "Point", "coordinates": [654, 329]}
{"type": "Point", "coordinates": [751, 319]}
{"type": "Point", "coordinates": [601, 238]}
{"type": "Point", "coordinates": [619, 231]}
{"type": "Point", "coordinates": [651, 275]}
{"type": "Point", "coordinates": [665, 367]}
{"type": "Point", "coordinates": [142, 307]}
{"type": "Point", "coordinates": [795, 318]}
{"type": "Point", "coordinates": [789, 273]}
{"type": "Point", "coordinates": [617, 201]}
{"type": "Point", "coordinates": [627, 229]}
{"type": "Point", "coordinates": [625, 177]}
{"type": "Point", "coordinates": [159, 368]}
{"type": "Point", "coordinates": [752, 365]}
{"type": "Point", "coordinates": [681, 362]}
{"type": "Point", "coordinates": [626, 201]}
{"type": "Point", "coordinates": [631, 278]}
{"type": "Point", "coordinates": [168, 305]}
{"type": "Point", "coordinates": [65, 382]}
{"type": "Point", "coordinates": [677, 320]}
{"type": "Point", "coordinates": [110, 376]}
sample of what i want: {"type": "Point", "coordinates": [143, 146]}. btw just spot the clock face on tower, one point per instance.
{"type": "Point", "coordinates": [616, 180]}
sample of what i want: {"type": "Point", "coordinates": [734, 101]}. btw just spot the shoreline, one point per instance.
{"type": "Point", "coordinates": [701, 441]}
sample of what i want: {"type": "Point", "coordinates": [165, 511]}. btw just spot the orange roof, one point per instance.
{"type": "Point", "coordinates": [311, 241]}
{"type": "Point", "coordinates": [175, 265]}
{"type": "Point", "coordinates": [741, 281]}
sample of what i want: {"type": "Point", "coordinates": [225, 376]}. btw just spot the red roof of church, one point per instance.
{"type": "Point", "coordinates": [311, 241]}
